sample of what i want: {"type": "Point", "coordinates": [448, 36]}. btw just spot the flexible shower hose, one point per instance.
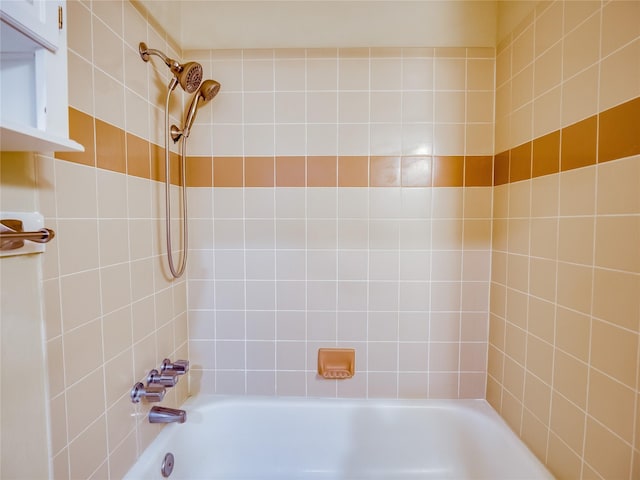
{"type": "Point", "coordinates": [167, 183]}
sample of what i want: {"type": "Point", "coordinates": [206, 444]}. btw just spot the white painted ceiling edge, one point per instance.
{"type": "Point", "coordinates": [213, 24]}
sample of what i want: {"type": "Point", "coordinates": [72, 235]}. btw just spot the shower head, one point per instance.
{"type": "Point", "coordinates": [189, 75]}
{"type": "Point", "coordinates": [207, 91]}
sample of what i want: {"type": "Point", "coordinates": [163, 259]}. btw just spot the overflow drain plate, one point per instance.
{"type": "Point", "coordinates": [167, 465]}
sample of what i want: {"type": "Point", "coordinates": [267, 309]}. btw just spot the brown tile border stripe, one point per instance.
{"type": "Point", "coordinates": [138, 157]}
{"type": "Point", "coordinates": [321, 171]}
{"type": "Point", "coordinates": [501, 170]}
{"type": "Point", "coordinates": [344, 171]}
{"type": "Point", "coordinates": [174, 164]}
{"type": "Point", "coordinates": [385, 171]}
{"type": "Point", "coordinates": [416, 171]}
{"type": "Point", "coordinates": [448, 171]}
{"type": "Point", "coordinates": [520, 166]}
{"type": "Point", "coordinates": [353, 171]}
{"type": "Point", "coordinates": [125, 153]}
{"type": "Point", "coordinates": [578, 144]}
{"type": "Point", "coordinates": [200, 172]}
{"type": "Point", "coordinates": [258, 172]}
{"type": "Point", "coordinates": [290, 171]}
{"type": "Point", "coordinates": [609, 135]}
{"type": "Point", "coordinates": [546, 155]}
{"type": "Point", "coordinates": [111, 148]}
{"type": "Point", "coordinates": [82, 130]}
{"type": "Point", "coordinates": [619, 131]}
{"type": "Point", "coordinates": [478, 171]}
{"type": "Point", "coordinates": [612, 134]}
{"type": "Point", "coordinates": [157, 163]}
{"type": "Point", "coordinates": [227, 172]}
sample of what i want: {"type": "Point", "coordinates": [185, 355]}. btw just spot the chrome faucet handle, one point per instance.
{"type": "Point", "coordinates": [180, 367]}
{"type": "Point", "coordinates": [151, 393]}
{"type": "Point", "coordinates": [166, 379]}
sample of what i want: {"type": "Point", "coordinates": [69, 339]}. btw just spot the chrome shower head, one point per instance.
{"type": "Point", "coordinates": [207, 91]}
{"type": "Point", "coordinates": [189, 75]}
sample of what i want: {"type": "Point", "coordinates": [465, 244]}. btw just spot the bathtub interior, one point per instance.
{"type": "Point", "coordinates": [269, 438]}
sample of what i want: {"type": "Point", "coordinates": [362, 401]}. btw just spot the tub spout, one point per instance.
{"type": "Point", "coordinates": [167, 415]}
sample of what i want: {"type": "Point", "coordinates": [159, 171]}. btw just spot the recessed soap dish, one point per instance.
{"type": "Point", "coordinates": [336, 363]}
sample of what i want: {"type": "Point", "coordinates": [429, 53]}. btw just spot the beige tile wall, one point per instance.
{"type": "Point", "coordinates": [318, 102]}
{"type": "Point", "coordinates": [401, 274]}
{"type": "Point", "coordinates": [563, 354]}
{"type": "Point", "coordinates": [25, 445]}
{"type": "Point", "coordinates": [111, 313]}
{"type": "Point", "coordinates": [367, 266]}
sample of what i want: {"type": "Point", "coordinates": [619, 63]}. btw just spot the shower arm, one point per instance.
{"type": "Point", "coordinates": [173, 65]}
{"type": "Point", "coordinates": [167, 183]}
{"type": "Point", "coordinates": [189, 75]}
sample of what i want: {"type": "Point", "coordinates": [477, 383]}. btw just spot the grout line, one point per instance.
{"type": "Point", "coordinates": [506, 241]}
{"type": "Point", "coordinates": [130, 261]}
{"type": "Point", "coordinates": [491, 235]}
{"type": "Point", "coordinates": [593, 262]}
{"type": "Point", "coordinates": [398, 239]}
{"type": "Point", "coordinates": [62, 338]}
{"type": "Point", "coordinates": [431, 150]}
{"type": "Point", "coordinates": [368, 220]}
{"type": "Point", "coordinates": [337, 219]}
{"type": "Point", "coordinates": [99, 268]}
{"type": "Point", "coordinates": [528, 255]}
{"type": "Point", "coordinates": [462, 220]}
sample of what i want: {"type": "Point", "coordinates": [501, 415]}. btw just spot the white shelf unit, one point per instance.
{"type": "Point", "coordinates": [33, 77]}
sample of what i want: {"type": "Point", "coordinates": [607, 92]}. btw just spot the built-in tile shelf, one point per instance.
{"type": "Point", "coordinates": [33, 77]}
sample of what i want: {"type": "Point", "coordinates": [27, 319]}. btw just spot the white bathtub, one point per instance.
{"type": "Point", "coordinates": [292, 438]}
